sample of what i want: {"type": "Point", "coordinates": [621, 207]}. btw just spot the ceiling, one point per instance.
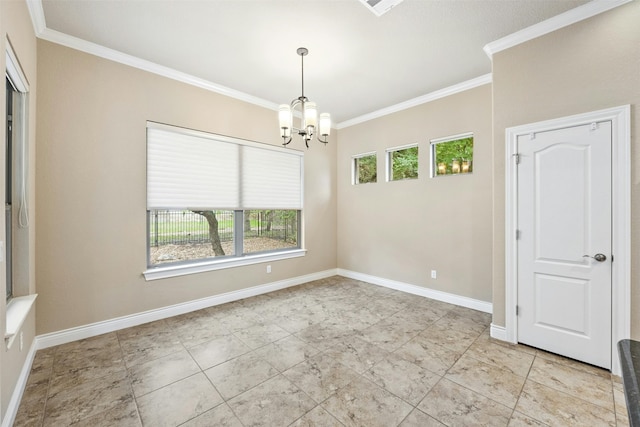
{"type": "Point", "coordinates": [358, 63]}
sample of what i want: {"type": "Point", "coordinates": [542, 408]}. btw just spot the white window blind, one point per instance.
{"type": "Point", "coordinates": [271, 179]}
{"type": "Point", "coordinates": [198, 170]}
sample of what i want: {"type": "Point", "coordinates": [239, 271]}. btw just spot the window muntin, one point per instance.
{"type": "Point", "coordinates": [180, 176]}
{"type": "Point", "coordinates": [402, 162]}
{"type": "Point", "coordinates": [452, 155]}
{"type": "Point", "coordinates": [364, 168]}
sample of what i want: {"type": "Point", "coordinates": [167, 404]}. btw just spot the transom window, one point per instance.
{"type": "Point", "coordinates": [452, 155]}
{"type": "Point", "coordinates": [364, 168]}
{"type": "Point", "coordinates": [402, 162]}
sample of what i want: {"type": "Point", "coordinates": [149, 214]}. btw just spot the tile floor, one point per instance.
{"type": "Point", "coordinates": [334, 352]}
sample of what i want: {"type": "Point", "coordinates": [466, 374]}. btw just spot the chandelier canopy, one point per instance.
{"type": "Point", "coordinates": [310, 122]}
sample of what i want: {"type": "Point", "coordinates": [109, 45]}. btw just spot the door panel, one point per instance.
{"type": "Point", "coordinates": [551, 293]}
{"type": "Point", "coordinates": [564, 212]}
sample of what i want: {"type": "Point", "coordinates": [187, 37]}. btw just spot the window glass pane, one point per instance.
{"type": "Point", "coordinates": [366, 169]}
{"type": "Point", "coordinates": [185, 235]}
{"type": "Point", "coordinates": [403, 163]}
{"type": "Point", "coordinates": [270, 230]}
{"type": "Point", "coordinates": [453, 157]}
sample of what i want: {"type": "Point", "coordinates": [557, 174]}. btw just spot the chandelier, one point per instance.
{"type": "Point", "coordinates": [309, 112]}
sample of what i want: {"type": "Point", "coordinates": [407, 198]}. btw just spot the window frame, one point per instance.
{"type": "Point", "coordinates": [185, 267]}
{"type": "Point", "coordinates": [389, 166]}
{"type": "Point", "coordinates": [355, 170]}
{"type": "Point", "coordinates": [432, 150]}
{"type": "Point", "coordinates": [18, 307]}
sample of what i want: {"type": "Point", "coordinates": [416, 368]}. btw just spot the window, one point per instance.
{"type": "Point", "coordinates": [452, 155]}
{"type": "Point", "coordinates": [217, 200]}
{"type": "Point", "coordinates": [16, 173]}
{"type": "Point", "coordinates": [402, 162]}
{"type": "Point", "coordinates": [365, 168]}
{"type": "Point", "coordinates": [19, 301]}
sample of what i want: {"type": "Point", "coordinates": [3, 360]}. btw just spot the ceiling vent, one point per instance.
{"type": "Point", "coordinates": [380, 7]}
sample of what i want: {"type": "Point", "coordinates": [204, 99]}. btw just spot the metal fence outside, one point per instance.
{"type": "Point", "coordinates": [171, 227]}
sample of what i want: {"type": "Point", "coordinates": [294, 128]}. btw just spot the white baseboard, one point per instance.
{"type": "Point", "coordinates": [16, 397]}
{"type": "Point", "coordinates": [99, 328]}
{"type": "Point", "coordinates": [475, 304]}
{"type": "Point", "coordinates": [498, 332]}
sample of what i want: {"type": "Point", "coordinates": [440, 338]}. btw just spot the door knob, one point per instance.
{"type": "Point", "coordinates": [597, 257]}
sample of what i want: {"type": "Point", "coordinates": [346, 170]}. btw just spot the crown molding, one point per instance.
{"type": "Point", "coordinates": [40, 27]}
{"type": "Point", "coordinates": [37, 16]}
{"type": "Point", "coordinates": [557, 22]}
{"type": "Point", "coordinates": [142, 64]}
{"type": "Point", "coordinates": [442, 93]}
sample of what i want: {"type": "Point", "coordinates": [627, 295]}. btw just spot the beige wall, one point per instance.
{"type": "Point", "coordinates": [402, 230]}
{"type": "Point", "coordinates": [15, 25]}
{"type": "Point", "coordinates": [91, 247]}
{"type": "Point", "coordinates": [588, 66]}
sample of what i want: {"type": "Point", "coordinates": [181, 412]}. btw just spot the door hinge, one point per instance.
{"type": "Point", "coordinates": [517, 157]}
{"type": "Point", "coordinates": [612, 258]}
{"type": "Point", "coordinates": [517, 310]}
{"type": "Point", "coordinates": [517, 234]}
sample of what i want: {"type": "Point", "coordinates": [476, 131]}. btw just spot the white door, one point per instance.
{"type": "Point", "coordinates": [564, 242]}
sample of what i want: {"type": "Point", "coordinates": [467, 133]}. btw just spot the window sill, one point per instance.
{"type": "Point", "coordinates": [201, 267]}
{"type": "Point", "coordinates": [17, 311]}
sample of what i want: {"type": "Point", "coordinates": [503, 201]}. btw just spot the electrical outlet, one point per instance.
{"type": "Point", "coordinates": [434, 274]}
{"type": "Point", "coordinates": [269, 268]}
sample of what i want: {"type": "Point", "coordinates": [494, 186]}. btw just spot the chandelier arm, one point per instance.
{"type": "Point", "coordinates": [287, 142]}
{"type": "Point", "coordinates": [325, 141]}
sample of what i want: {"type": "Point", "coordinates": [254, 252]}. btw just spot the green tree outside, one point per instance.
{"type": "Point", "coordinates": [366, 168]}
{"type": "Point", "coordinates": [404, 163]}
{"type": "Point", "coordinates": [447, 152]}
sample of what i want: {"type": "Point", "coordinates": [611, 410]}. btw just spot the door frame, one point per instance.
{"type": "Point", "coordinates": [621, 218]}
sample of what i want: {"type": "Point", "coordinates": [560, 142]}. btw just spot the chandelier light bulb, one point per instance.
{"type": "Point", "coordinates": [324, 128]}
{"type": "Point", "coordinates": [285, 117]}
{"type": "Point", "coordinates": [310, 115]}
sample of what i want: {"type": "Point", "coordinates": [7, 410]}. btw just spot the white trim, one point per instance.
{"type": "Point", "coordinates": [132, 61]}
{"type": "Point", "coordinates": [557, 22]}
{"type": "Point", "coordinates": [474, 304]}
{"type": "Point", "coordinates": [18, 390]}
{"type": "Point", "coordinates": [451, 138]}
{"type": "Point", "coordinates": [98, 328]}
{"type": "Point", "coordinates": [620, 118]}
{"type": "Point", "coordinates": [370, 153]}
{"type": "Point", "coordinates": [14, 70]}
{"type": "Point", "coordinates": [401, 147]}
{"type": "Point", "coordinates": [18, 309]}
{"type": "Point", "coordinates": [220, 264]}
{"type": "Point", "coordinates": [37, 16]}
{"type": "Point", "coordinates": [498, 332]}
{"type": "Point", "coordinates": [442, 93]}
